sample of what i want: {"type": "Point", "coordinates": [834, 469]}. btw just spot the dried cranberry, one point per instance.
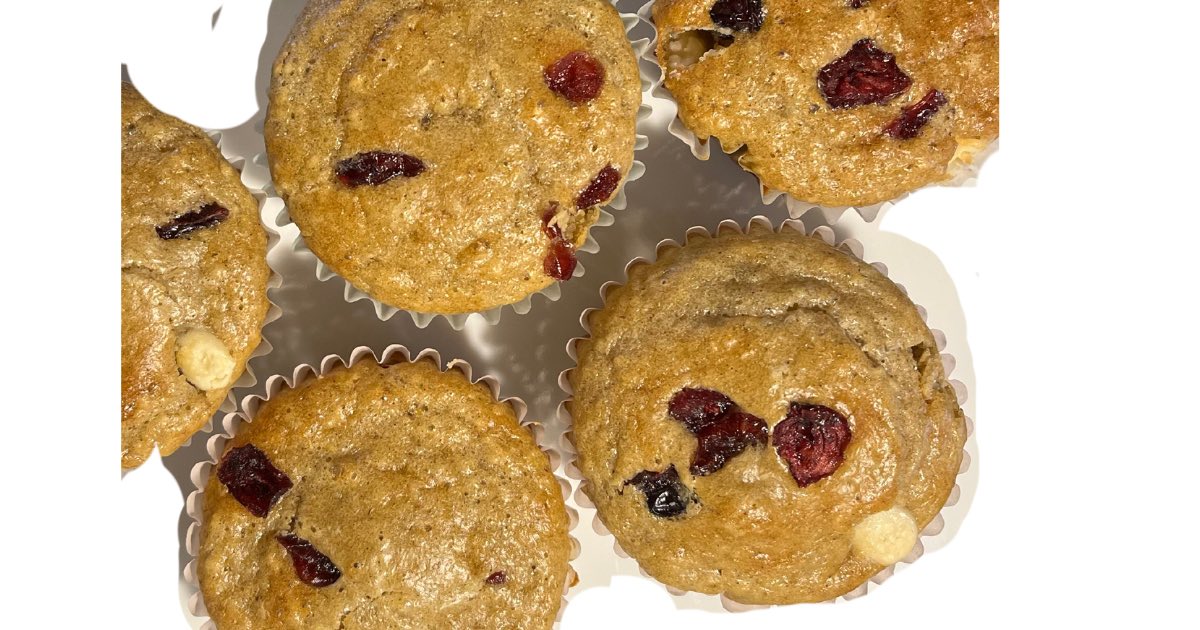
{"type": "Point", "coordinates": [312, 567]}
{"type": "Point", "coordinates": [857, 4]}
{"type": "Point", "coordinates": [865, 75]}
{"type": "Point", "coordinates": [252, 479]}
{"type": "Point", "coordinates": [497, 578]}
{"type": "Point", "coordinates": [812, 440]}
{"type": "Point", "coordinates": [207, 216]}
{"type": "Point", "coordinates": [553, 232]}
{"type": "Point", "coordinates": [376, 167]}
{"type": "Point", "coordinates": [600, 188]}
{"type": "Point", "coordinates": [577, 77]}
{"type": "Point", "coordinates": [559, 262]}
{"type": "Point", "coordinates": [738, 15]}
{"type": "Point", "coordinates": [914, 117]}
{"type": "Point", "coordinates": [666, 496]}
{"type": "Point", "coordinates": [724, 439]}
{"type": "Point", "coordinates": [697, 407]}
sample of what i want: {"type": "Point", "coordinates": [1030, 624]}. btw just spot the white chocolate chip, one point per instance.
{"type": "Point", "coordinates": [885, 537]}
{"type": "Point", "coordinates": [204, 360]}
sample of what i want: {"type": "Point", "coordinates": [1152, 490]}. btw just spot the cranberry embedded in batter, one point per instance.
{"type": "Point", "coordinates": [577, 77]}
{"type": "Point", "coordinates": [207, 216]}
{"type": "Point", "coordinates": [560, 261]}
{"type": "Point", "coordinates": [666, 496]}
{"type": "Point", "coordinates": [553, 232]}
{"type": "Point", "coordinates": [252, 479]}
{"type": "Point", "coordinates": [812, 440]}
{"type": "Point", "coordinates": [372, 168]}
{"type": "Point", "coordinates": [697, 407]}
{"type": "Point", "coordinates": [312, 567]}
{"type": "Point", "coordinates": [724, 439]}
{"type": "Point", "coordinates": [914, 117]}
{"type": "Point", "coordinates": [738, 15]}
{"type": "Point", "coordinates": [600, 188]}
{"type": "Point", "coordinates": [865, 75]}
{"type": "Point", "coordinates": [497, 578]}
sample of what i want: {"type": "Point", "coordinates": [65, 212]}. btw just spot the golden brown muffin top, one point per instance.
{"type": "Point", "coordinates": [416, 484]}
{"type": "Point", "coordinates": [761, 89]}
{"type": "Point", "coordinates": [773, 321]}
{"type": "Point", "coordinates": [192, 303]}
{"type": "Point", "coordinates": [461, 87]}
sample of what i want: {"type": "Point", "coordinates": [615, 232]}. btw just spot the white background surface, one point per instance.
{"type": "Point", "coordinates": [1071, 259]}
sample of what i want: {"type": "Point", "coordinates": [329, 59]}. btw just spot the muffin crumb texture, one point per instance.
{"type": "Point", "coordinates": [193, 279]}
{"type": "Point", "coordinates": [837, 103]}
{"type": "Point", "coordinates": [761, 415]}
{"type": "Point", "coordinates": [383, 497]}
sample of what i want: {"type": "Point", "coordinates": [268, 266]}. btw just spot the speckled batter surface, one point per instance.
{"type": "Point", "coordinates": [213, 279]}
{"type": "Point", "coordinates": [417, 484]}
{"type": "Point", "coordinates": [768, 319]}
{"type": "Point", "coordinates": [761, 92]}
{"type": "Point", "coordinates": [458, 84]}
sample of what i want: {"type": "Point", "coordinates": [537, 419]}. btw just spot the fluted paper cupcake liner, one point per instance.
{"type": "Point", "coordinates": [552, 292]}
{"type": "Point", "coordinates": [391, 355]}
{"type": "Point", "coordinates": [929, 536]}
{"type": "Point", "coordinates": [961, 173]}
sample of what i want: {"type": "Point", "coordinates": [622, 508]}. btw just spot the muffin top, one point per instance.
{"type": "Point", "coordinates": [449, 157]}
{"type": "Point", "coordinates": [193, 279]}
{"type": "Point", "coordinates": [764, 416]}
{"type": "Point", "coordinates": [837, 102]}
{"type": "Point", "coordinates": [383, 497]}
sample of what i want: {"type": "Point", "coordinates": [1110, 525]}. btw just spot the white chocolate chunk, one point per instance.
{"type": "Point", "coordinates": [966, 149]}
{"type": "Point", "coordinates": [204, 360]}
{"type": "Point", "coordinates": [885, 537]}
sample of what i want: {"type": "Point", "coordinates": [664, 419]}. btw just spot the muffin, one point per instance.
{"type": "Point", "coordinates": [193, 279]}
{"type": "Point", "coordinates": [761, 415]}
{"type": "Point", "coordinates": [836, 102]}
{"type": "Point", "coordinates": [450, 157]}
{"type": "Point", "coordinates": [383, 497]}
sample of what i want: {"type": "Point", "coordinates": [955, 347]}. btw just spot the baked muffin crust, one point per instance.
{"type": "Point", "coordinates": [192, 306]}
{"type": "Point", "coordinates": [417, 484]}
{"type": "Point", "coordinates": [768, 319]}
{"type": "Point", "coordinates": [459, 85]}
{"type": "Point", "coordinates": [759, 90]}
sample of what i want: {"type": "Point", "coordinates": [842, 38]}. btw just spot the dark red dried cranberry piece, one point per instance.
{"type": "Point", "coordinates": [697, 407]}
{"type": "Point", "coordinates": [497, 578]}
{"type": "Point", "coordinates": [914, 117]}
{"type": "Point", "coordinates": [738, 15]}
{"type": "Point", "coordinates": [577, 77]}
{"type": "Point", "coordinates": [857, 4]}
{"type": "Point", "coordinates": [724, 439]}
{"type": "Point", "coordinates": [865, 75]}
{"type": "Point", "coordinates": [312, 567]}
{"type": "Point", "coordinates": [207, 216]}
{"type": "Point", "coordinates": [376, 167]}
{"type": "Point", "coordinates": [812, 441]}
{"type": "Point", "coordinates": [666, 496]}
{"type": "Point", "coordinates": [252, 479]}
{"type": "Point", "coordinates": [600, 188]}
{"type": "Point", "coordinates": [559, 262]}
{"type": "Point", "coordinates": [553, 232]}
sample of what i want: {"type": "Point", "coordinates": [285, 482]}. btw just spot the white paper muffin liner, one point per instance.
{"type": "Point", "coordinates": [255, 179]}
{"type": "Point", "coordinates": [391, 355]}
{"type": "Point", "coordinates": [688, 599]}
{"type": "Point", "coordinates": [961, 173]}
{"type": "Point", "coordinates": [552, 292]}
